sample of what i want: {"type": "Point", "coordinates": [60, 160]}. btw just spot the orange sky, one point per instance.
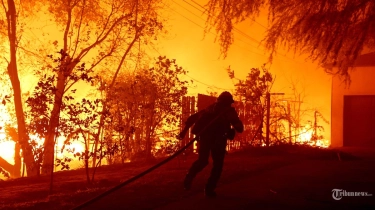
{"type": "Point", "coordinates": [201, 57]}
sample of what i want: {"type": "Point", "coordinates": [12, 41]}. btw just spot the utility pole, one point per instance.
{"type": "Point", "coordinates": [290, 123]}
{"type": "Point", "coordinates": [268, 101]}
{"type": "Point", "coordinates": [314, 136]}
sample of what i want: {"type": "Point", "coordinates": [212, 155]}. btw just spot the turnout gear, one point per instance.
{"type": "Point", "coordinates": [212, 127]}
{"type": "Point", "coordinates": [210, 194]}
{"type": "Point", "coordinates": [231, 134]}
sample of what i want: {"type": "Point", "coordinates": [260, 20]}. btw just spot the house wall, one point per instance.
{"type": "Point", "coordinates": [362, 83]}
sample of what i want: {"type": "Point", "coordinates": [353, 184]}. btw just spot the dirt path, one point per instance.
{"type": "Point", "coordinates": [304, 185]}
{"type": "Point", "coordinates": [272, 182]}
{"type": "Point", "coordinates": [280, 178]}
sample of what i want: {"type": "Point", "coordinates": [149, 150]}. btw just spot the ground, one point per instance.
{"type": "Point", "coordinates": [280, 177]}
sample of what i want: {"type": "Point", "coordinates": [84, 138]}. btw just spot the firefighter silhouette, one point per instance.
{"type": "Point", "coordinates": [212, 127]}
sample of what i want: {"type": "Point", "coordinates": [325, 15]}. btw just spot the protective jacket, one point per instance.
{"type": "Point", "coordinates": [215, 120]}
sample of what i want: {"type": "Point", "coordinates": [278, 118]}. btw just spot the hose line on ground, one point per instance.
{"type": "Point", "coordinates": [134, 178]}
{"type": "Point", "coordinates": [148, 170]}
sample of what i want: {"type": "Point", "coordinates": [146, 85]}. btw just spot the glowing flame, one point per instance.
{"type": "Point", "coordinates": [7, 150]}
{"type": "Point", "coordinates": [305, 134]}
{"type": "Point", "coordinates": [6, 146]}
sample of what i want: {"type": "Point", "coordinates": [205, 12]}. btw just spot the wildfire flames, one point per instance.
{"type": "Point", "coordinates": [7, 145]}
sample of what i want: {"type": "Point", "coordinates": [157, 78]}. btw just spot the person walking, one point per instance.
{"type": "Point", "coordinates": [212, 127]}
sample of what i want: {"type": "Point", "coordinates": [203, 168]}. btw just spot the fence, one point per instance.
{"type": "Point", "coordinates": [252, 122]}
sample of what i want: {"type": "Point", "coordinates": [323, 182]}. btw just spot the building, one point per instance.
{"type": "Point", "coordinates": [353, 107]}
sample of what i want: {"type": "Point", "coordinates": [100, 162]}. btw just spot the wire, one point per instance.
{"type": "Point", "coordinates": [236, 29]}
{"type": "Point", "coordinates": [211, 86]}
{"type": "Point", "coordinates": [243, 33]}
{"type": "Point", "coordinates": [240, 32]}
{"type": "Point", "coordinates": [200, 17]}
{"type": "Point", "coordinates": [213, 32]}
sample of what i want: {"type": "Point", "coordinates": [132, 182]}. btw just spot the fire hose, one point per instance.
{"type": "Point", "coordinates": [134, 178]}
{"type": "Point", "coordinates": [117, 187]}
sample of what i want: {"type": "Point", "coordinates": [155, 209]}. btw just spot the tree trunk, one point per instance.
{"type": "Point", "coordinates": [149, 131]}
{"type": "Point", "coordinates": [148, 142]}
{"type": "Point", "coordinates": [49, 143]}
{"type": "Point", "coordinates": [101, 122]}
{"type": "Point", "coordinates": [17, 161]}
{"type": "Point", "coordinates": [23, 138]}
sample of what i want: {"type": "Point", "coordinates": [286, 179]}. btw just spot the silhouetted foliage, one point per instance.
{"type": "Point", "coordinates": [10, 26]}
{"type": "Point", "coordinates": [5, 99]}
{"type": "Point", "coordinates": [143, 103]}
{"type": "Point", "coordinates": [41, 101]}
{"type": "Point", "coordinates": [106, 28]}
{"type": "Point", "coordinates": [250, 92]}
{"type": "Point", "coordinates": [331, 32]}
{"type": "Point", "coordinates": [92, 32]}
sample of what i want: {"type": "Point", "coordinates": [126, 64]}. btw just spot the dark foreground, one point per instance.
{"type": "Point", "coordinates": [283, 177]}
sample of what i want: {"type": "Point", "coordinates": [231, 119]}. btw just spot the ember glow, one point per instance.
{"type": "Point", "coordinates": [6, 145]}
{"type": "Point", "coordinates": [7, 149]}
{"type": "Point", "coordinates": [305, 137]}
{"type": "Point", "coordinates": [193, 50]}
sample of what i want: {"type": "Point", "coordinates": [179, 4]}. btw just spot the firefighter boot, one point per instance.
{"type": "Point", "coordinates": [209, 193]}
{"type": "Point", "coordinates": [187, 182]}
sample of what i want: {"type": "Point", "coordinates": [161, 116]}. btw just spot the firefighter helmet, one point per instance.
{"type": "Point", "coordinates": [225, 97]}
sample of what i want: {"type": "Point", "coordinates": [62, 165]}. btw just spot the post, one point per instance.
{"type": "Point", "coordinates": [268, 99]}
{"type": "Point", "coordinates": [52, 166]}
{"type": "Point", "coordinates": [290, 123]}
